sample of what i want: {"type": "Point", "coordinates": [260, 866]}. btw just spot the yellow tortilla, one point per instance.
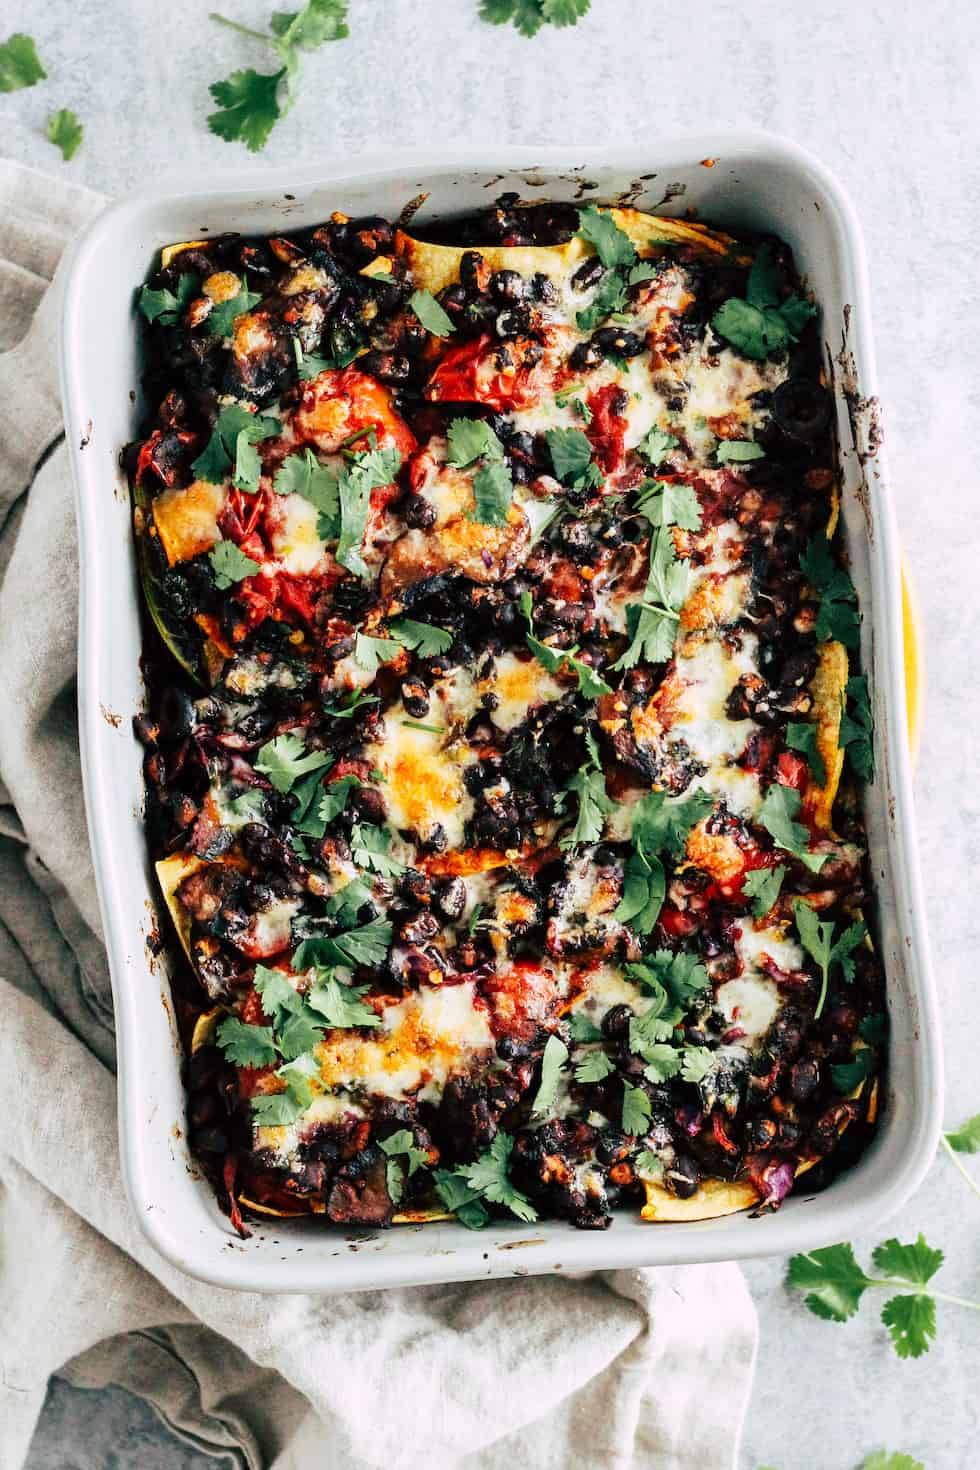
{"type": "Point", "coordinates": [171, 872]}
{"type": "Point", "coordinates": [420, 1217]}
{"type": "Point", "coordinates": [169, 251]}
{"type": "Point", "coordinates": [715, 1197]}
{"type": "Point", "coordinates": [204, 1028]}
{"type": "Point", "coordinates": [277, 1214]}
{"type": "Point", "coordinates": [828, 690]}
{"type": "Point", "coordinates": [186, 519]}
{"type": "Point", "coordinates": [650, 231]}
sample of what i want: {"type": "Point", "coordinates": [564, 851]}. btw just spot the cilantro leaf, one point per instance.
{"type": "Point", "coordinates": [760, 324]}
{"type": "Point", "coordinates": [837, 615]}
{"type": "Point", "coordinates": [589, 785]}
{"type": "Point", "coordinates": [334, 798]}
{"type": "Point", "coordinates": [917, 1262]}
{"type": "Point", "coordinates": [857, 729]}
{"type": "Point", "coordinates": [662, 1061]}
{"type": "Point", "coordinates": [370, 653]}
{"type": "Point", "coordinates": [564, 12]}
{"type": "Point", "coordinates": [738, 451]}
{"type": "Point", "coordinates": [286, 758]}
{"type": "Point", "coordinates": [369, 471]}
{"type": "Point", "coordinates": [488, 1177]}
{"type": "Point", "coordinates": [230, 564]}
{"type": "Point", "coordinates": [248, 107]}
{"type": "Point", "coordinates": [874, 1028]}
{"type": "Point", "coordinates": [762, 288]}
{"type": "Point", "coordinates": [366, 945]}
{"type": "Point", "coordinates": [457, 1196]}
{"type": "Point", "coordinates": [608, 297]}
{"type": "Point", "coordinates": [304, 475]}
{"type": "Point", "coordinates": [697, 1062]}
{"type": "Point", "coordinates": [299, 1034]}
{"type": "Point", "coordinates": [665, 503]}
{"type": "Point", "coordinates": [651, 633]}
{"type": "Point", "coordinates": [553, 1060]}
{"type": "Point", "coordinates": [425, 639]}
{"type": "Point", "coordinates": [430, 314]}
{"type": "Point", "coordinates": [816, 937]}
{"type": "Point", "coordinates": [803, 736]}
{"type": "Point", "coordinates": [246, 1045]}
{"type": "Point", "coordinates": [234, 431]}
{"type": "Point", "coordinates": [832, 1279]}
{"type": "Point", "coordinates": [663, 823]}
{"type": "Point", "coordinates": [680, 976]}
{"type": "Point", "coordinates": [276, 1109]}
{"type": "Point", "coordinates": [166, 306]}
{"type": "Point", "coordinates": [341, 1005]}
{"type": "Point", "coordinates": [527, 15]}
{"type": "Point", "coordinates": [911, 1322]}
{"type": "Point", "coordinates": [846, 1076]}
{"type": "Point", "coordinates": [470, 439]}
{"type": "Point", "coordinates": [401, 1143]}
{"type": "Point", "coordinates": [20, 65]}
{"type": "Point", "coordinates": [349, 704]}
{"type": "Point", "coordinates": [612, 245]}
{"type": "Point", "coordinates": [593, 1067]}
{"type": "Point", "coordinates": [966, 1138]}
{"type": "Point", "coordinates": [656, 445]}
{"type": "Point", "coordinates": [644, 890]}
{"type": "Point", "coordinates": [369, 848]}
{"type": "Point", "coordinates": [637, 1110]}
{"type": "Point", "coordinates": [493, 492]}
{"type": "Point", "coordinates": [764, 885]}
{"type": "Point", "coordinates": [882, 1460]}
{"type": "Point", "coordinates": [582, 1029]}
{"type": "Point", "coordinates": [279, 996]}
{"type": "Point", "coordinates": [318, 22]}
{"type": "Point", "coordinates": [221, 319]}
{"type": "Point", "coordinates": [64, 130]}
{"type": "Point", "coordinates": [777, 814]}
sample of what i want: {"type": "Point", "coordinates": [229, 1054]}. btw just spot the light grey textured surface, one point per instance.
{"type": "Point", "coordinates": [885, 93]}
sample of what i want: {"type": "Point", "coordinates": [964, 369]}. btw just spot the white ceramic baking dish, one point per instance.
{"type": "Point", "coordinates": [736, 180]}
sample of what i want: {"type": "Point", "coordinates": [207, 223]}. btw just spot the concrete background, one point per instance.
{"type": "Point", "coordinates": [886, 94]}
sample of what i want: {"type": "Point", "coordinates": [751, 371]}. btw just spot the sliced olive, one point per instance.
{"type": "Point", "coordinates": [801, 408]}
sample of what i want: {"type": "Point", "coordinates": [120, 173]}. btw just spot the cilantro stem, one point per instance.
{"type": "Point", "coordinates": [233, 25]}
{"type": "Point", "coordinates": [922, 1288]}
{"type": "Point", "coordinates": [825, 972]}
{"type": "Point", "coordinates": [955, 1161]}
{"type": "Point", "coordinates": [418, 725]}
{"type": "Point", "coordinates": [664, 612]}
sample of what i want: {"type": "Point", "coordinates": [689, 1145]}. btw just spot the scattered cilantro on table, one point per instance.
{"type": "Point", "coordinates": [250, 103]}
{"type": "Point", "coordinates": [65, 131]}
{"type": "Point", "coordinates": [20, 65]}
{"type": "Point", "coordinates": [528, 16]}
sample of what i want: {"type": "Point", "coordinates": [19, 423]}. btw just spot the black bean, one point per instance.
{"type": "Point", "coordinates": [387, 367]}
{"type": "Point", "coordinates": [450, 898]}
{"type": "Point", "coordinates": [509, 286]}
{"type": "Point", "coordinates": [588, 274]}
{"type": "Point", "coordinates": [418, 512]}
{"type": "Point", "coordinates": [544, 289]}
{"type": "Point", "coordinates": [176, 712]}
{"type": "Point", "coordinates": [616, 1021]}
{"type": "Point", "coordinates": [682, 1177]}
{"type": "Point", "coordinates": [415, 698]}
{"type": "Point", "coordinates": [471, 270]}
{"type": "Point", "coordinates": [586, 355]}
{"type": "Point", "coordinates": [616, 341]}
{"type": "Point", "coordinates": [419, 928]}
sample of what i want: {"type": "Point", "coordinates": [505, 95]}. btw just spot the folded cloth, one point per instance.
{"type": "Point", "coordinates": [612, 1369]}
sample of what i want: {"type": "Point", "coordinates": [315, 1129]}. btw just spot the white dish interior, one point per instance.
{"type": "Point", "coordinates": [757, 183]}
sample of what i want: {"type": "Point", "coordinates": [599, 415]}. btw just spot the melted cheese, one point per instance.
{"type": "Point", "coordinates": [521, 685]}
{"type": "Point", "coordinates": [431, 1035]}
{"type": "Point", "coordinates": [424, 787]}
{"type": "Point", "coordinates": [708, 671]}
{"type": "Point", "coordinates": [293, 536]}
{"type": "Point", "coordinates": [752, 1001]}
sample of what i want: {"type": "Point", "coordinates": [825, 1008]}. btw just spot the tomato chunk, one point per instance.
{"type": "Point", "coordinates": [336, 405]}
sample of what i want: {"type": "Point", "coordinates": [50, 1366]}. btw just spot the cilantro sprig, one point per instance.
{"type": "Point", "coordinates": [964, 1140]}
{"type": "Point", "coordinates": [528, 16]}
{"type": "Point", "coordinates": [660, 824]}
{"type": "Point", "coordinates": [463, 1190]}
{"type": "Point", "coordinates": [837, 615]}
{"type": "Point", "coordinates": [571, 458]}
{"type": "Point", "coordinates": [403, 1160]}
{"type": "Point", "coordinates": [553, 1061]}
{"type": "Point", "coordinates": [285, 758]}
{"type": "Point", "coordinates": [231, 448]}
{"type": "Point", "coordinates": [761, 323]}
{"type": "Point", "coordinates": [652, 624]}
{"type": "Point", "coordinates": [472, 440]}
{"type": "Point", "coordinates": [835, 1283]}
{"type": "Point", "coordinates": [250, 103]}
{"type": "Point", "coordinates": [778, 812]}
{"type": "Point", "coordinates": [64, 130]}
{"type": "Point", "coordinates": [857, 727]}
{"type": "Point", "coordinates": [765, 886]}
{"type": "Point", "coordinates": [817, 938]}
{"type": "Point", "coordinates": [230, 564]}
{"type": "Point", "coordinates": [589, 785]}
{"type": "Point", "coordinates": [590, 684]}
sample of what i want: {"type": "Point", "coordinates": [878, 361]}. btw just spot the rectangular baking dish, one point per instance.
{"type": "Point", "coordinates": [734, 180]}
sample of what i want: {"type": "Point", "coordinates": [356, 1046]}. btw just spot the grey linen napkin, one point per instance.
{"type": "Point", "coordinates": [617, 1369]}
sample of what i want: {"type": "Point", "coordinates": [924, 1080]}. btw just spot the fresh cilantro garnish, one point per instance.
{"type": "Point", "coordinates": [652, 623]}
{"type": "Point", "coordinates": [367, 472]}
{"type": "Point", "coordinates": [166, 306]}
{"type": "Point", "coordinates": [553, 1060]}
{"type": "Point", "coordinates": [278, 994]}
{"type": "Point", "coordinates": [230, 447]}
{"type": "Point", "coordinates": [347, 902]}
{"type": "Point", "coordinates": [230, 564]}
{"type": "Point", "coordinates": [663, 1061]}
{"type": "Point", "coordinates": [590, 684]}
{"type": "Point", "coordinates": [493, 492]}
{"type": "Point", "coordinates": [966, 1138]}
{"type": "Point", "coordinates": [529, 16]}
{"type": "Point", "coordinates": [563, 395]}
{"type": "Point", "coordinates": [304, 475]}
{"type": "Point", "coordinates": [489, 1180]}
{"type": "Point", "coordinates": [874, 1028]}
{"type": "Point", "coordinates": [349, 704]}
{"type": "Point", "coordinates": [608, 299]}
{"type": "Point", "coordinates": [470, 439]}
{"type": "Point", "coordinates": [422, 725]}
{"type": "Point", "coordinates": [764, 885]}
{"type": "Point", "coordinates": [274, 1109]}
{"type": "Point", "coordinates": [398, 1146]}
{"type": "Point", "coordinates": [589, 785]}
{"type": "Point", "coordinates": [249, 807]}
{"type": "Point", "coordinates": [837, 616]}
{"type": "Point", "coordinates": [777, 814]}
{"type": "Point", "coordinates": [835, 1283]}
{"type": "Point", "coordinates": [882, 1460]}
{"type": "Point", "coordinates": [305, 818]}
{"type": "Point", "coordinates": [571, 453]}
{"type": "Point", "coordinates": [846, 1076]}
{"type": "Point", "coordinates": [593, 1067]}
{"type": "Point", "coordinates": [660, 823]}
{"type": "Point", "coordinates": [20, 65]}
{"type": "Point", "coordinates": [760, 323]}
{"type": "Point", "coordinates": [804, 737]}
{"type": "Point", "coordinates": [644, 890]}
{"type": "Point", "coordinates": [649, 1166]}
{"type": "Point", "coordinates": [817, 938]}
{"type": "Point", "coordinates": [665, 503]}
{"type": "Point", "coordinates": [220, 321]}
{"type": "Point", "coordinates": [369, 848]}
{"type": "Point", "coordinates": [340, 1005]}
{"type": "Point", "coordinates": [249, 100]}
{"type": "Point", "coordinates": [857, 729]}
{"type": "Point", "coordinates": [738, 451]}
{"type": "Point", "coordinates": [246, 1045]}
{"type": "Point", "coordinates": [370, 653]}
{"type": "Point", "coordinates": [680, 977]}
{"type": "Point", "coordinates": [697, 1062]}
{"type": "Point", "coordinates": [612, 245]}
{"type": "Point", "coordinates": [430, 313]}
{"type": "Point", "coordinates": [582, 1029]}
{"type": "Point", "coordinates": [64, 130]}
{"type": "Point", "coordinates": [457, 1196]}
{"type": "Point", "coordinates": [655, 446]}
{"type": "Point", "coordinates": [636, 1110]}
{"type": "Point", "coordinates": [425, 639]}
{"type": "Point", "coordinates": [334, 798]}
{"type": "Point", "coordinates": [286, 758]}
{"type": "Point", "coordinates": [366, 945]}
